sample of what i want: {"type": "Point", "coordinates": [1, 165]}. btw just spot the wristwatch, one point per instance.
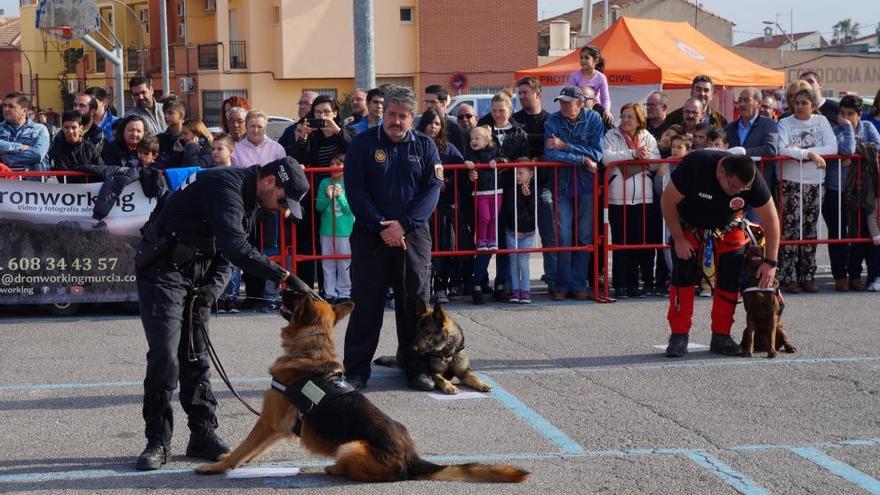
{"type": "Point", "coordinates": [770, 262]}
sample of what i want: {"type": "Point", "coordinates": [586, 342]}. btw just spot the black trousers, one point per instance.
{"type": "Point", "coordinates": [846, 259]}
{"type": "Point", "coordinates": [163, 295]}
{"type": "Point", "coordinates": [375, 266]}
{"type": "Point", "coordinates": [629, 264]}
{"type": "Point", "coordinates": [446, 269]}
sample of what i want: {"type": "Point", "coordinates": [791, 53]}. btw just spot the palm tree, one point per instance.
{"type": "Point", "coordinates": [845, 31]}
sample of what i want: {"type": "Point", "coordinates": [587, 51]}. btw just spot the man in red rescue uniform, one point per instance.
{"type": "Point", "coordinates": [705, 199]}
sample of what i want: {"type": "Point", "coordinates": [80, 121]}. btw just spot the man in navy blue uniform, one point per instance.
{"type": "Point", "coordinates": [392, 180]}
{"type": "Point", "coordinates": [183, 264]}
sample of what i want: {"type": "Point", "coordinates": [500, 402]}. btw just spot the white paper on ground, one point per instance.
{"type": "Point", "coordinates": [458, 396]}
{"type": "Point", "coordinates": [263, 472]}
{"type": "Point", "coordinates": [691, 345]}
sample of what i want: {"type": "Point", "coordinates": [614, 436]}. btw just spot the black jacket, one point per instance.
{"type": "Point", "coordinates": [116, 178]}
{"type": "Point", "coordinates": [486, 176]}
{"type": "Point", "coordinates": [168, 157]}
{"type": "Point", "coordinates": [197, 155]}
{"type": "Point", "coordinates": [215, 212]}
{"type": "Point", "coordinates": [117, 154]}
{"type": "Point", "coordinates": [65, 156]}
{"type": "Point", "coordinates": [524, 205]}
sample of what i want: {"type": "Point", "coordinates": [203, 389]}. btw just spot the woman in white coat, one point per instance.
{"type": "Point", "coordinates": [630, 191]}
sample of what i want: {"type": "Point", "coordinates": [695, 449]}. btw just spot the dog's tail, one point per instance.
{"type": "Point", "coordinates": [387, 361]}
{"type": "Point", "coordinates": [424, 470]}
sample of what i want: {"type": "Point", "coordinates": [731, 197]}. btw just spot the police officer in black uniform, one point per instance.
{"type": "Point", "coordinates": [182, 265]}
{"type": "Point", "coordinates": [392, 180]}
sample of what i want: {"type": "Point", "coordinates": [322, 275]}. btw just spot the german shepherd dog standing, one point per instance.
{"type": "Point", "coordinates": [764, 329]}
{"type": "Point", "coordinates": [441, 339]}
{"type": "Point", "coordinates": [367, 444]}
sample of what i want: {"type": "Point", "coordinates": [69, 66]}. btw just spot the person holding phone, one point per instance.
{"type": "Point", "coordinates": [318, 140]}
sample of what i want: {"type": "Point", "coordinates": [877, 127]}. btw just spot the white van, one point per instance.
{"type": "Point", "coordinates": [481, 103]}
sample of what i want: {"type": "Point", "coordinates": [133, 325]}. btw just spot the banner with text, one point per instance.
{"type": "Point", "coordinates": [53, 251]}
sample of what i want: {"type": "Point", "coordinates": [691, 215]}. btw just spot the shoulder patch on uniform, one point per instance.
{"type": "Point", "coordinates": [379, 156]}
{"type": "Point", "coordinates": [438, 171]}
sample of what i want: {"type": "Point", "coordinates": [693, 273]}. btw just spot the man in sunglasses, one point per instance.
{"type": "Point", "coordinates": [183, 263]}
{"type": "Point", "coordinates": [467, 117]}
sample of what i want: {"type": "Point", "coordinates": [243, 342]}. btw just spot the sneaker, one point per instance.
{"type": "Point", "coordinates": [454, 293]}
{"type": "Point", "coordinates": [477, 295]}
{"type": "Point", "coordinates": [636, 293]}
{"type": "Point", "coordinates": [524, 297]}
{"type": "Point", "coordinates": [557, 296]}
{"type": "Point", "coordinates": [620, 294]}
{"type": "Point", "coordinates": [232, 307]}
{"type": "Point", "coordinates": [791, 288]}
{"type": "Point", "coordinates": [875, 286]}
{"type": "Point", "coordinates": [491, 246]}
{"type": "Point", "coordinates": [514, 297]}
{"type": "Point", "coordinates": [724, 345]}
{"type": "Point", "coordinates": [221, 307]}
{"type": "Point", "coordinates": [153, 457]}
{"type": "Point", "coordinates": [809, 287]}
{"type": "Point", "coordinates": [856, 284]}
{"type": "Point", "coordinates": [580, 295]}
{"type": "Point", "coordinates": [678, 345]}
{"type": "Point", "coordinates": [482, 246]}
{"type": "Point", "coordinates": [205, 444]}
{"type": "Point", "coordinates": [841, 285]}
{"type": "Point", "coordinates": [441, 297]}
{"type": "Point", "coordinates": [500, 294]}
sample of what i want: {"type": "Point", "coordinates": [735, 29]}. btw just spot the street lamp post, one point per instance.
{"type": "Point", "coordinates": [788, 36]}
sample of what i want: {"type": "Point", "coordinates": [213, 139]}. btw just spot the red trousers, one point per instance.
{"type": "Point", "coordinates": [728, 255]}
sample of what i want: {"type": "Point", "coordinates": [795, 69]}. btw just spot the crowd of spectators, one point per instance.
{"type": "Point", "coordinates": [490, 205]}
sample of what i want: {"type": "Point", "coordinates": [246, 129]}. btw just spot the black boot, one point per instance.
{"type": "Point", "coordinates": [205, 444]}
{"type": "Point", "coordinates": [724, 345]}
{"type": "Point", "coordinates": [153, 457]}
{"type": "Point", "coordinates": [678, 345]}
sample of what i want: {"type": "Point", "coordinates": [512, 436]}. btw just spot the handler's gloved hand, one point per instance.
{"type": "Point", "coordinates": [205, 296]}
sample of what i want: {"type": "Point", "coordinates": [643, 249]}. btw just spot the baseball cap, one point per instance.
{"type": "Point", "coordinates": [570, 93]}
{"type": "Point", "coordinates": [290, 176]}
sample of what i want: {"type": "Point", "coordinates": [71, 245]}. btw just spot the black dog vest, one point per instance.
{"type": "Point", "coordinates": [311, 393]}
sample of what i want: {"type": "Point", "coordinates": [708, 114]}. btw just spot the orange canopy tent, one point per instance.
{"type": "Point", "coordinates": [658, 54]}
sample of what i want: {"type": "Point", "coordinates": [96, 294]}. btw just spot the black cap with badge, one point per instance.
{"type": "Point", "coordinates": [289, 175]}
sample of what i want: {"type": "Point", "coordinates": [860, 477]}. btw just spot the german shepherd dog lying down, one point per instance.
{"type": "Point", "coordinates": [367, 444]}
{"type": "Point", "coordinates": [764, 329]}
{"type": "Point", "coordinates": [441, 339]}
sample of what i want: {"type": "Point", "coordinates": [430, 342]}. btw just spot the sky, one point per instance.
{"type": "Point", "coordinates": [809, 15]}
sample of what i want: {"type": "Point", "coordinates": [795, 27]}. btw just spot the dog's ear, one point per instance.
{"type": "Point", "coordinates": [342, 310]}
{"type": "Point", "coordinates": [438, 314]}
{"type": "Point", "coordinates": [421, 307]}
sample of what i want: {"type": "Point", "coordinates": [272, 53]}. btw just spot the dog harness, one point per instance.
{"type": "Point", "coordinates": [311, 393]}
{"type": "Point", "coordinates": [449, 350]}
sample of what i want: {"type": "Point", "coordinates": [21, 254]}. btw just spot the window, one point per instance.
{"type": "Point", "coordinates": [276, 15]}
{"type": "Point", "coordinates": [180, 9]}
{"type": "Point", "coordinates": [212, 101]}
{"type": "Point", "coordinates": [326, 92]}
{"type": "Point", "coordinates": [406, 15]}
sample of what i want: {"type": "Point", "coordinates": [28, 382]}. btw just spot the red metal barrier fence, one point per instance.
{"type": "Point", "coordinates": [278, 239]}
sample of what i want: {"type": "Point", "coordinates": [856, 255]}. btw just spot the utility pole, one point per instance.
{"type": "Point", "coordinates": [163, 35]}
{"type": "Point", "coordinates": [364, 58]}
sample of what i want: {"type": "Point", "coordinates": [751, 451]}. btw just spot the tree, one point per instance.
{"type": "Point", "coordinates": [845, 31]}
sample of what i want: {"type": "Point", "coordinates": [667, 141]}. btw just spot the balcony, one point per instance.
{"type": "Point", "coordinates": [238, 54]}
{"type": "Point", "coordinates": [208, 59]}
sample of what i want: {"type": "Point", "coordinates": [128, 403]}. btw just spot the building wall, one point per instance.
{"type": "Point", "coordinates": [475, 42]}
{"type": "Point", "coordinates": [714, 27]}
{"type": "Point", "coordinates": [839, 73]}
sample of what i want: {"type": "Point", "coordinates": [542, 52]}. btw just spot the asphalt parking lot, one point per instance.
{"type": "Point", "coordinates": [582, 398]}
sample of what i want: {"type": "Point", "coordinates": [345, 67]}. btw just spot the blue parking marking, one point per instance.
{"type": "Point", "coordinates": [550, 432]}
{"type": "Point", "coordinates": [738, 481]}
{"type": "Point", "coordinates": [840, 468]}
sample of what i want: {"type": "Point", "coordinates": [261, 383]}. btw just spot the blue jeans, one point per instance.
{"type": "Point", "coordinates": [519, 263]}
{"type": "Point", "coordinates": [546, 228]}
{"type": "Point", "coordinates": [571, 266]}
{"type": "Point", "coordinates": [231, 291]}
